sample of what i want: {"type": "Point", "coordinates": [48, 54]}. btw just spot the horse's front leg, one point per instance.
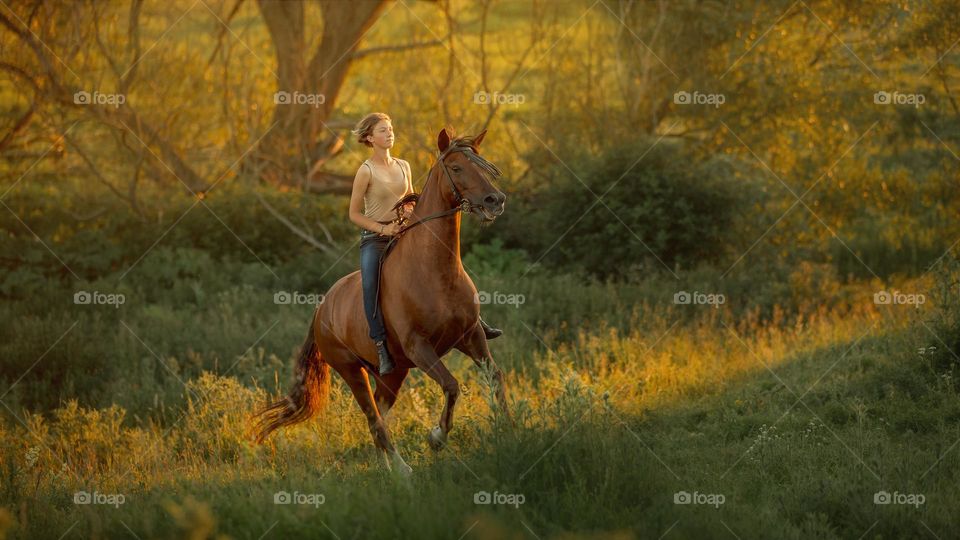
{"type": "Point", "coordinates": [425, 358]}
{"type": "Point", "coordinates": [474, 345]}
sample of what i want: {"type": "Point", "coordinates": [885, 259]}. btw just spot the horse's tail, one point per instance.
{"type": "Point", "coordinates": [309, 395]}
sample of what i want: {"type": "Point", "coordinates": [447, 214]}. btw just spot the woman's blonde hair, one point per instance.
{"type": "Point", "coordinates": [365, 126]}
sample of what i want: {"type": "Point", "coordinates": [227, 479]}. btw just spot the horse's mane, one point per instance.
{"type": "Point", "coordinates": [465, 140]}
{"type": "Point", "coordinates": [474, 155]}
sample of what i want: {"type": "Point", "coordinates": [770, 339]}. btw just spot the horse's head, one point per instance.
{"type": "Point", "coordinates": [465, 176]}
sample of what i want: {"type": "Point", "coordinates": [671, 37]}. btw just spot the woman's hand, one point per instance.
{"type": "Point", "coordinates": [407, 209]}
{"type": "Point", "coordinates": [390, 229]}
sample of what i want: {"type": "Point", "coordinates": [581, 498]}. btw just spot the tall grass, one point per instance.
{"type": "Point", "coordinates": [610, 426]}
{"type": "Point", "coordinates": [798, 399]}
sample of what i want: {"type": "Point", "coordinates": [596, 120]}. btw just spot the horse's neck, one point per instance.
{"type": "Point", "coordinates": [433, 245]}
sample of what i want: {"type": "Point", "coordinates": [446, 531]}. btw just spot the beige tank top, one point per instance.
{"type": "Point", "coordinates": [383, 191]}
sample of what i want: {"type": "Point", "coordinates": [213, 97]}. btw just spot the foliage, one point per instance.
{"type": "Point", "coordinates": [636, 208]}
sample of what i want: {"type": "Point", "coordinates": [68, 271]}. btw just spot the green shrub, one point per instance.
{"type": "Point", "coordinates": [661, 206]}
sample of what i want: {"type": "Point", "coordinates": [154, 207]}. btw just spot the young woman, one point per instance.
{"type": "Point", "coordinates": [381, 181]}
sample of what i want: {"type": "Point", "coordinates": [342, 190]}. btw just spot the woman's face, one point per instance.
{"type": "Point", "coordinates": [382, 136]}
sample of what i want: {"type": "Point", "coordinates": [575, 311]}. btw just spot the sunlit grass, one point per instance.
{"type": "Point", "coordinates": [681, 404]}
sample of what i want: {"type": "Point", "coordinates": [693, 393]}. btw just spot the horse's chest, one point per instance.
{"type": "Point", "coordinates": [442, 304]}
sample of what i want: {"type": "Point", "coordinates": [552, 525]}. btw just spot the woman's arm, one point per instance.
{"type": "Point", "coordinates": [360, 183]}
{"type": "Point", "coordinates": [409, 178]}
{"type": "Point", "coordinates": [408, 208]}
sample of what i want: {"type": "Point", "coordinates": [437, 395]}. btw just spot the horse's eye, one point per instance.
{"type": "Point", "coordinates": [455, 168]}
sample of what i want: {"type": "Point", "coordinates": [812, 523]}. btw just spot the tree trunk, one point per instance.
{"type": "Point", "coordinates": [300, 139]}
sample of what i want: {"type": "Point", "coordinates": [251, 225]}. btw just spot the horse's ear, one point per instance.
{"type": "Point", "coordinates": [443, 140]}
{"type": "Point", "coordinates": [479, 138]}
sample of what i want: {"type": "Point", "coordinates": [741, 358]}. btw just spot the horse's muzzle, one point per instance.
{"type": "Point", "coordinates": [493, 205]}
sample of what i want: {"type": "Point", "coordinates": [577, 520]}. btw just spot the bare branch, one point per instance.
{"type": "Point", "coordinates": [223, 31]}
{"type": "Point", "coordinates": [397, 48]}
{"type": "Point", "coordinates": [535, 37]}
{"type": "Point", "coordinates": [118, 119]}
{"type": "Point", "coordinates": [133, 36]}
{"type": "Point", "coordinates": [293, 228]}
{"type": "Point", "coordinates": [25, 119]}
{"type": "Point", "coordinates": [18, 127]}
{"type": "Point", "coordinates": [93, 168]}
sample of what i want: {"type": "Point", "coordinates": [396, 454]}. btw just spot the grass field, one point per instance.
{"type": "Point", "coordinates": [728, 270]}
{"type": "Point", "coordinates": [776, 427]}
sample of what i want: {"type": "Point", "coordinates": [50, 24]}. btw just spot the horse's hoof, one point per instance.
{"type": "Point", "coordinates": [437, 439]}
{"type": "Point", "coordinates": [400, 466]}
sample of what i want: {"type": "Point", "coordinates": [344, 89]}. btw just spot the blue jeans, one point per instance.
{"type": "Point", "coordinates": [371, 246]}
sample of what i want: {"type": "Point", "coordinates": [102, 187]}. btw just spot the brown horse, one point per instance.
{"type": "Point", "coordinates": [429, 305]}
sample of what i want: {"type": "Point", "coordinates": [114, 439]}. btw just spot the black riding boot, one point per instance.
{"type": "Point", "coordinates": [386, 363]}
{"type": "Point", "coordinates": [490, 331]}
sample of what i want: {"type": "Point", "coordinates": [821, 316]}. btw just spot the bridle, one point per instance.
{"type": "Point", "coordinates": [462, 203]}
{"type": "Point", "coordinates": [476, 159]}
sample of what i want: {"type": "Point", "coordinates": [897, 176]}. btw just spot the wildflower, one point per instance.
{"type": "Point", "coordinates": [33, 455]}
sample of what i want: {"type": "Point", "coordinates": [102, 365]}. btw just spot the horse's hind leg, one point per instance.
{"type": "Point", "coordinates": [359, 384]}
{"type": "Point", "coordinates": [474, 345]}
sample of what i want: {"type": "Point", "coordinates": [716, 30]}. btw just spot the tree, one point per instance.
{"type": "Point", "coordinates": [293, 150]}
